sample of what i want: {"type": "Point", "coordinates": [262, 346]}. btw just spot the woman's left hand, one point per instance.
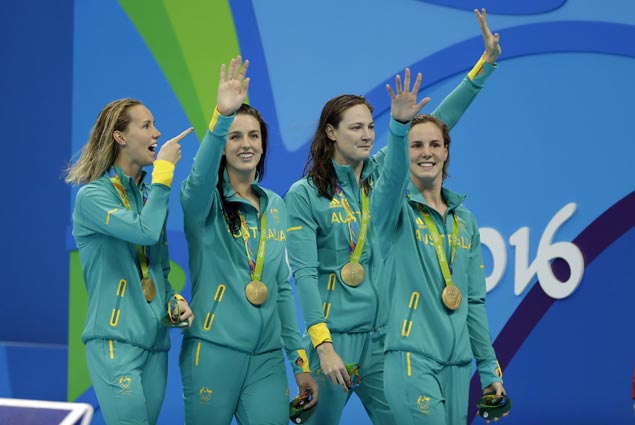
{"type": "Point", "coordinates": [492, 47]}
{"type": "Point", "coordinates": [306, 384]}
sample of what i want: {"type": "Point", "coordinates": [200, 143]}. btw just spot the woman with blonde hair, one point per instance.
{"type": "Point", "coordinates": [119, 227]}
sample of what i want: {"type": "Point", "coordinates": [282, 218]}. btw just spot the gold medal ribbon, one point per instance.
{"type": "Point", "coordinates": [255, 268]}
{"type": "Point", "coordinates": [356, 246]}
{"type": "Point", "coordinates": [141, 250]}
{"type": "Point", "coordinates": [438, 243]}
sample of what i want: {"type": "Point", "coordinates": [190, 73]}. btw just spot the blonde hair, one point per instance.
{"type": "Point", "coordinates": [100, 151]}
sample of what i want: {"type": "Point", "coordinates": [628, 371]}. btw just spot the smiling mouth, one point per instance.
{"type": "Point", "coordinates": [152, 148]}
{"type": "Point", "coordinates": [245, 156]}
{"type": "Point", "coordinates": [426, 164]}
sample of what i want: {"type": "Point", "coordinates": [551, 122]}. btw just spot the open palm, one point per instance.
{"type": "Point", "coordinates": [232, 87]}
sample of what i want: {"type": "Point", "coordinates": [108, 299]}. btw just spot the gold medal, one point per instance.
{"type": "Point", "coordinates": [352, 274]}
{"type": "Point", "coordinates": [256, 292]}
{"type": "Point", "coordinates": [451, 297]}
{"type": "Point", "coordinates": [149, 290]}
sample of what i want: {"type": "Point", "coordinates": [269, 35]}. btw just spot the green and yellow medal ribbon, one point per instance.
{"type": "Point", "coordinates": [255, 291]}
{"type": "Point", "coordinates": [147, 284]}
{"type": "Point", "coordinates": [437, 242]}
{"type": "Point", "coordinates": [356, 240]}
{"type": "Point", "coordinates": [256, 263]}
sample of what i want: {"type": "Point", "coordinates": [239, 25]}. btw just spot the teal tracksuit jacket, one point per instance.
{"type": "Point", "coordinates": [107, 233]}
{"type": "Point", "coordinates": [218, 264]}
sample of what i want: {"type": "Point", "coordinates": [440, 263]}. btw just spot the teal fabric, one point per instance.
{"type": "Point", "coordinates": [218, 263]}
{"type": "Point", "coordinates": [419, 322]}
{"type": "Point", "coordinates": [318, 242]}
{"type": "Point", "coordinates": [107, 234]}
{"type": "Point", "coordinates": [224, 383]}
{"type": "Point", "coordinates": [220, 271]}
{"type": "Point", "coordinates": [430, 394]}
{"type": "Point", "coordinates": [367, 350]}
{"type": "Point", "coordinates": [130, 385]}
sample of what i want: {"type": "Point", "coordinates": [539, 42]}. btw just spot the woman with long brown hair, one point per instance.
{"type": "Point", "coordinates": [330, 239]}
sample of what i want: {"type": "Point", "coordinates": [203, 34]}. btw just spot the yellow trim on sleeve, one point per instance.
{"type": "Point", "coordinates": [214, 119]}
{"type": "Point", "coordinates": [293, 229]}
{"type": "Point", "coordinates": [179, 297]}
{"type": "Point", "coordinates": [110, 212]}
{"type": "Point", "coordinates": [408, 363]}
{"type": "Point", "coordinates": [498, 371]}
{"type": "Point", "coordinates": [319, 333]}
{"type": "Point", "coordinates": [163, 172]}
{"type": "Point", "coordinates": [305, 361]}
{"type": "Point", "coordinates": [112, 351]}
{"type": "Point", "coordinates": [477, 68]}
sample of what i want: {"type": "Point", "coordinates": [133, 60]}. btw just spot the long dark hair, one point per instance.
{"type": "Point", "coordinates": [230, 210]}
{"type": "Point", "coordinates": [445, 131]}
{"type": "Point", "coordinates": [319, 166]}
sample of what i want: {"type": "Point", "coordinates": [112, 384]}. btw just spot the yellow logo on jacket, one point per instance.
{"type": "Point", "coordinates": [423, 403]}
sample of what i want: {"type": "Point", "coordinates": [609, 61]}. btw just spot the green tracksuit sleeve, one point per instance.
{"type": "Point", "coordinates": [454, 105]}
{"type": "Point", "coordinates": [480, 339]}
{"type": "Point", "coordinates": [303, 255]}
{"type": "Point", "coordinates": [165, 263]}
{"type": "Point", "coordinates": [101, 213]}
{"type": "Point", "coordinates": [289, 322]}
{"type": "Point", "coordinates": [199, 188]}
{"type": "Point", "coordinates": [391, 185]}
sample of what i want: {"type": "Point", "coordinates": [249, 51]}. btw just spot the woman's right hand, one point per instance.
{"type": "Point", "coordinates": [232, 87]}
{"type": "Point", "coordinates": [403, 104]}
{"type": "Point", "coordinates": [333, 366]}
{"type": "Point", "coordinates": [171, 150]}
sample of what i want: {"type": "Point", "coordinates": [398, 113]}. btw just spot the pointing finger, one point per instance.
{"type": "Point", "coordinates": [180, 136]}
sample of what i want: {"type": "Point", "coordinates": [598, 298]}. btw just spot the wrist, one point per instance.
{"type": "Point", "coordinates": [163, 172]}
{"type": "Point", "coordinates": [324, 347]}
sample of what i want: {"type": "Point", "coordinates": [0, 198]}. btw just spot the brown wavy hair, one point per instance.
{"type": "Point", "coordinates": [230, 210]}
{"type": "Point", "coordinates": [445, 132]}
{"type": "Point", "coordinates": [100, 151]}
{"type": "Point", "coordinates": [319, 166]}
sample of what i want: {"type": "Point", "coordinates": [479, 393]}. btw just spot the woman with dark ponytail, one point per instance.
{"type": "Point", "coordinates": [231, 359]}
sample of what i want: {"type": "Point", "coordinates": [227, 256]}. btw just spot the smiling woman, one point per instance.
{"type": "Point", "coordinates": [119, 228]}
{"type": "Point", "coordinates": [231, 360]}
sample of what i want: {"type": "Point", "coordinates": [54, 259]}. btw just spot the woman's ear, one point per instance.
{"type": "Point", "coordinates": [118, 136]}
{"type": "Point", "coordinates": [330, 132]}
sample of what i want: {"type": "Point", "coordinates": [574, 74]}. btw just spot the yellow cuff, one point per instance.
{"type": "Point", "coordinates": [163, 172]}
{"type": "Point", "coordinates": [477, 68]}
{"type": "Point", "coordinates": [319, 333]}
{"type": "Point", "coordinates": [214, 120]}
{"type": "Point", "coordinates": [498, 371]}
{"type": "Point", "coordinates": [305, 361]}
{"type": "Point", "coordinates": [179, 297]}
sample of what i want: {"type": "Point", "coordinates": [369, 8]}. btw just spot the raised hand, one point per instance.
{"type": "Point", "coordinates": [232, 87]}
{"type": "Point", "coordinates": [404, 104]}
{"type": "Point", "coordinates": [491, 41]}
{"type": "Point", "coordinates": [171, 150]}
